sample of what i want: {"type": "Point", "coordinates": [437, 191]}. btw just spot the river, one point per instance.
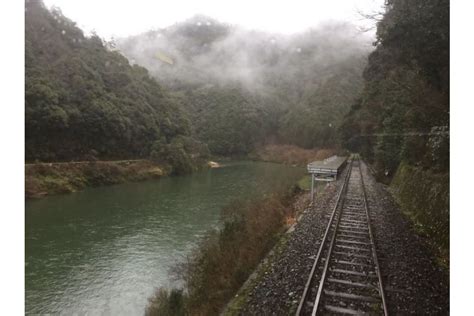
{"type": "Point", "coordinates": [102, 251]}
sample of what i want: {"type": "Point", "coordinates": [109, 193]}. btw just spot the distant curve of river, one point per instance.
{"type": "Point", "coordinates": [102, 251]}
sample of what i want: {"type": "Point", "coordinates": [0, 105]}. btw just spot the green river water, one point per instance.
{"type": "Point", "coordinates": [102, 251]}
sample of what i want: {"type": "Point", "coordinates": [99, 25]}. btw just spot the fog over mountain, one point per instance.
{"type": "Point", "coordinates": [220, 116]}
{"type": "Point", "coordinates": [300, 72]}
{"type": "Point", "coordinates": [202, 49]}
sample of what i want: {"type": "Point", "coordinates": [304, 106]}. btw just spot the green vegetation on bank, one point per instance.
{"type": "Point", "coordinates": [226, 257]}
{"type": "Point", "coordinates": [235, 305]}
{"type": "Point", "coordinates": [48, 179]}
{"type": "Point", "coordinates": [424, 196]}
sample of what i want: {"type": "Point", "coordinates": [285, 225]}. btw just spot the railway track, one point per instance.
{"type": "Point", "coordinates": [345, 276]}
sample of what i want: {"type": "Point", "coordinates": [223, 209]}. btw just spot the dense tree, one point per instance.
{"type": "Point", "coordinates": [403, 112]}
{"type": "Point", "coordinates": [241, 88]}
{"type": "Point", "coordinates": [230, 88]}
{"type": "Point", "coordinates": [85, 99]}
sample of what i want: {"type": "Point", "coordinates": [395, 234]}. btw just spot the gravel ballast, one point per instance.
{"type": "Point", "coordinates": [280, 282]}
{"type": "Point", "coordinates": [413, 281]}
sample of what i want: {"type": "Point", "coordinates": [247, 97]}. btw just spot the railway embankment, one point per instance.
{"type": "Point", "coordinates": [278, 283]}
{"type": "Point", "coordinates": [423, 195]}
{"type": "Point", "coordinates": [414, 281]}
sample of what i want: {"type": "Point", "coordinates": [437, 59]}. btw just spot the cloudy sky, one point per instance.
{"type": "Point", "coordinates": [127, 17]}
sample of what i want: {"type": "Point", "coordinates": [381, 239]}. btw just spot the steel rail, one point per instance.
{"type": "Point", "coordinates": [374, 253]}
{"type": "Point", "coordinates": [352, 219]}
{"type": "Point", "coordinates": [321, 246]}
{"type": "Point", "coordinates": [328, 257]}
{"type": "Point", "coordinates": [335, 228]}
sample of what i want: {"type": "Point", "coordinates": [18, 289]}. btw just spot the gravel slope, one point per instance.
{"type": "Point", "coordinates": [413, 282]}
{"type": "Point", "coordinates": [279, 287]}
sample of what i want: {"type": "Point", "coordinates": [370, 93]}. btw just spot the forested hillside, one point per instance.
{"type": "Point", "coordinates": [401, 121]}
{"type": "Point", "coordinates": [403, 112]}
{"type": "Point", "coordinates": [230, 88]}
{"type": "Point", "coordinates": [85, 101]}
{"type": "Point", "coordinates": [241, 89]}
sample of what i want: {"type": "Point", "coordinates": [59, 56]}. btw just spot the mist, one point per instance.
{"type": "Point", "coordinates": [229, 119]}
{"type": "Point", "coordinates": [204, 51]}
{"type": "Point", "coordinates": [295, 88]}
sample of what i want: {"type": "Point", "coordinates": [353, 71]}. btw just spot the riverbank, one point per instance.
{"type": "Point", "coordinates": [226, 257]}
{"type": "Point", "coordinates": [44, 179]}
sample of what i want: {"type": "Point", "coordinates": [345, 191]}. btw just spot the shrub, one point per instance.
{"type": "Point", "coordinates": [226, 257]}
{"type": "Point", "coordinates": [166, 303]}
{"type": "Point", "coordinates": [424, 196]}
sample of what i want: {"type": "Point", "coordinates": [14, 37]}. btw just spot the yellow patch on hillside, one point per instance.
{"type": "Point", "coordinates": [164, 58]}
